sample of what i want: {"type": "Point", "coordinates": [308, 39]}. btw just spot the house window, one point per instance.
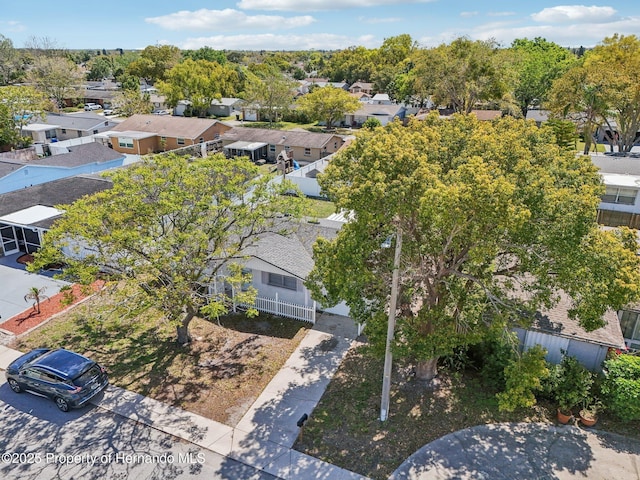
{"type": "Point", "coordinates": [79, 134]}
{"type": "Point", "coordinates": [180, 141]}
{"type": "Point", "coordinates": [307, 152]}
{"type": "Point", "coordinates": [163, 139]}
{"type": "Point", "coordinates": [623, 196]}
{"type": "Point", "coordinates": [95, 132]}
{"type": "Point", "coordinates": [64, 130]}
{"type": "Point", "coordinates": [201, 140]}
{"type": "Point", "coordinates": [125, 142]}
{"type": "Point", "coordinates": [335, 145]}
{"type": "Point", "coordinates": [631, 327]}
{"type": "Point", "coordinates": [272, 148]}
{"type": "Point", "coordinates": [283, 281]}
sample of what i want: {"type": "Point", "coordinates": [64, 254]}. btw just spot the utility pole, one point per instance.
{"type": "Point", "coordinates": [391, 326]}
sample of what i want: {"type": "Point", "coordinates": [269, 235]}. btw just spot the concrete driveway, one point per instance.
{"type": "Point", "coordinates": [16, 282]}
{"type": "Point", "coordinates": [37, 441]}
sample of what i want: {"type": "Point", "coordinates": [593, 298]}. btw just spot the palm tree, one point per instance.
{"type": "Point", "coordinates": [36, 295]}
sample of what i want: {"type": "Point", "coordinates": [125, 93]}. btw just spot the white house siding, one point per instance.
{"type": "Point", "coordinates": [260, 271]}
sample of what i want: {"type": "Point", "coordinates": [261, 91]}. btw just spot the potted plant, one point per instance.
{"type": "Point", "coordinates": [572, 386]}
{"type": "Point", "coordinates": [589, 412]}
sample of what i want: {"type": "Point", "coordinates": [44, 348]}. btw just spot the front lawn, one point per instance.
{"type": "Point", "coordinates": [345, 429]}
{"type": "Point", "coordinates": [219, 375]}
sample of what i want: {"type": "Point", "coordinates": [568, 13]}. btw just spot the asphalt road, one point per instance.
{"type": "Point", "coordinates": [37, 441]}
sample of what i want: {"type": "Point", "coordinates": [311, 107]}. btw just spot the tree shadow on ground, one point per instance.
{"type": "Point", "coordinates": [502, 452]}
{"type": "Point", "coordinates": [263, 324]}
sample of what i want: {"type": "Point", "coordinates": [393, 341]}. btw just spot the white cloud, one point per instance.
{"type": "Point", "coordinates": [316, 5]}
{"type": "Point", "coordinates": [575, 35]}
{"type": "Point", "coordinates": [227, 19]}
{"type": "Point", "coordinates": [12, 26]}
{"type": "Point", "coordinates": [468, 14]}
{"type": "Point", "coordinates": [374, 21]}
{"type": "Point", "coordinates": [575, 14]}
{"type": "Point", "coordinates": [318, 41]}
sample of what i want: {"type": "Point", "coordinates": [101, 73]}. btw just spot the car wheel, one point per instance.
{"type": "Point", "coordinates": [62, 404]}
{"type": "Point", "coordinates": [15, 386]}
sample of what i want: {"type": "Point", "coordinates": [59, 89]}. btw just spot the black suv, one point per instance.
{"type": "Point", "coordinates": [68, 378]}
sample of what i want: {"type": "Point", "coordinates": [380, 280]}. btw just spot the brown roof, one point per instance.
{"type": "Point", "coordinates": [291, 138]}
{"type": "Point", "coordinates": [167, 125]}
{"type": "Point", "coordinates": [487, 114]}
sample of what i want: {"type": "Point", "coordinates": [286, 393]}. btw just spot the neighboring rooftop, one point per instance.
{"type": "Point", "coordinates": [58, 192]}
{"type": "Point", "coordinates": [278, 137]}
{"type": "Point", "coordinates": [166, 125]}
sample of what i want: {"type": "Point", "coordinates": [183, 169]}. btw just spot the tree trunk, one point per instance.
{"type": "Point", "coordinates": [427, 369]}
{"type": "Point", "coordinates": [182, 330]}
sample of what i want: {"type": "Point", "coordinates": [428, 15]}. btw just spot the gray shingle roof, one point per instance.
{"type": "Point", "coordinates": [59, 192]}
{"type": "Point", "coordinates": [292, 138]}
{"type": "Point", "coordinates": [612, 164]}
{"type": "Point", "coordinates": [292, 253]}
{"type": "Point", "coordinates": [556, 321]}
{"type": "Point", "coordinates": [86, 121]}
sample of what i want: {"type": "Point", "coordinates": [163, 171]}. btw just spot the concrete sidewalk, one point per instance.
{"type": "Point", "coordinates": [264, 436]}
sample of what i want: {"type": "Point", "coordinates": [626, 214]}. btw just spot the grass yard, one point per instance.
{"type": "Point", "coordinates": [316, 208]}
{"type": "Point", "coordinates": [219, 375]}
{"type": "Point", "coordinates": [344, 429]}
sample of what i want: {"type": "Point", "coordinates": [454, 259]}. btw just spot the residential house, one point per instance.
{"type": "Point", "coordinates": [57, 127]}
{"type": "Point", "coordinates": [26, 214]}
{"type": "Point", "coordinates": [143, 134]}
{"type": "Point", "coordinates": [630, 324]}
{"type": "Point", "coordinates": [79, 159]}
{"type": "Point", "coordinates": [279, 266]}
{"type": "Point", "coordinates": [362, 87]}
{"type": "Point", "coordinates": [265, 143]}
{"type": "Point", "coordinates": [557, 333]}
{"type": "Point", "coordinates": [620, 205]}
{"type": "Point", "coordinates": [226, 107]}
{"type": "Point", "coordinates": [538, 116]}
{"type": "Point", "coordinates": [381, 99]}
{"type": "Point", "coordinates": [384, 113]}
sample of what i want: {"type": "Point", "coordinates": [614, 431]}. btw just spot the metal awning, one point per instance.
{"type": "Point", "coordinates": [247, 146]}
{"type": "Point", "coordinates": [31, 215]}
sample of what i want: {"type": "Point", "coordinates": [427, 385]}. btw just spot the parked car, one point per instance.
{"type": "Point", "coordinates": [68, 378]}
{"type": "Point", "coordinates": [92, 106]}
{"type": "Point", "coordinates": [108, 111]}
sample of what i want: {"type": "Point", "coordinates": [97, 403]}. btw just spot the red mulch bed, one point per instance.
{"type": "Point", "coordinates": [48, 307]}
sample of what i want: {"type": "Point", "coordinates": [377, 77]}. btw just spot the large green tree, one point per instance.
{"type": "Point", "coordinates": [537, 63]}
{"type": "Point", "coordinates": [169, 228]}
{"type": "Point", "coordinates": [200, 82]}
{"type": "Point", "coordinates": [10, 64]}
{"type": "Point", "coordinates": [24, 104]}
{"type": "Point", "coordinates": [496, 221]}
{"type": "Point", "coordinates": [461, 74]}
{"type": "Point", "coordinates": [57, 77]}
{"type": "Point", "coordinates": [270, 92]}
{"type": "Point", "coordinates": [8, 133]}
{"type": "Point", "coordinates": [328, 104]}
{"type": "Point", "coordinates": [130, 102]}
{"type": "Point", "coordinates": [154, 62]}
{"type": "Point", "coordinates": [615, 64]}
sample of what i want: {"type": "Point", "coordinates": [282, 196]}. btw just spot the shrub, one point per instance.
{"type": "Point", "coordinates": [621, 386]}
{"type": "Point", "coordinates": [569, 383]}
{"type": "Point", "coordinates": [523, 377]}
{"type": "Point", "coordinates": [492, 357]}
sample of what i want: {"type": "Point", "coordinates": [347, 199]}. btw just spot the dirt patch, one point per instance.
{"type": "Point", "coordinates": [218, 375]}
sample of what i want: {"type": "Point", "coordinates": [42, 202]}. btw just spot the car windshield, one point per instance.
{"type": "Point", "coordinates": [87, 376]}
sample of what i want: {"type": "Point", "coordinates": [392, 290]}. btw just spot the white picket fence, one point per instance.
{"type": "Point", "coordinates": [285, 309]}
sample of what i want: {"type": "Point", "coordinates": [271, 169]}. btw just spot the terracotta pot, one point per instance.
{"type": "Point", "coordinates": [587, 419]}
{"type": "Point", "coordinates": [564, 417]}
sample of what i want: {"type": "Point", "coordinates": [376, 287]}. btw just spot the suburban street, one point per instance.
{"type": "Point", "coordinates": [38, 441]}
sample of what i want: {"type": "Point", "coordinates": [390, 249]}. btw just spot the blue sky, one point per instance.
{"type": "Point", "coordinates": [310, 24]}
